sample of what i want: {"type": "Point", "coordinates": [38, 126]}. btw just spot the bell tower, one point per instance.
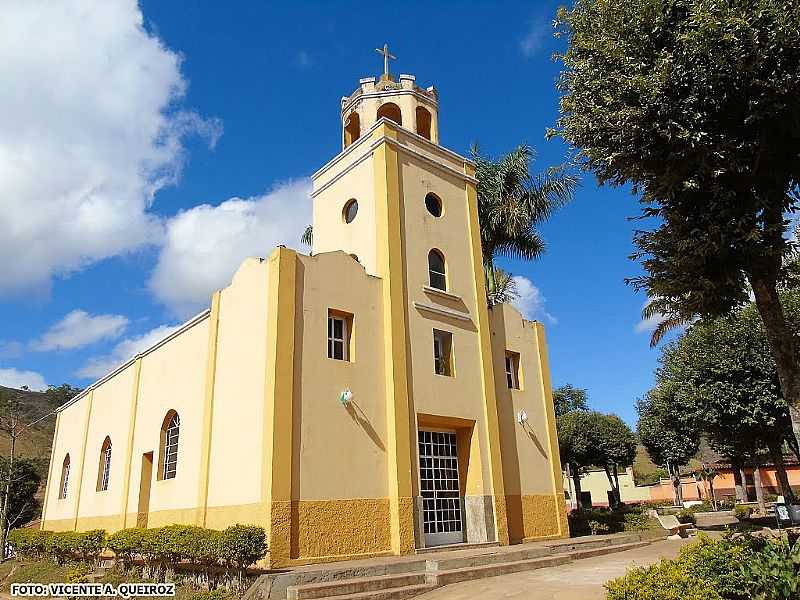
{"type": "Point", "coordinates": [404, 102]}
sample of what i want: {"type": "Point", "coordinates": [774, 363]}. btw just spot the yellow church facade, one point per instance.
{"type": "Point", "coordinates": [362, 400]}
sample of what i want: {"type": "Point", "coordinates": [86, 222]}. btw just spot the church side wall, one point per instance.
{"type": "Point", "coordinates": [339, 486]}
{"type": "Point", "coordinates": [236, 450]}
{"type": "Point", "coordinates": [69, 439]}
{"type": "Point", "coordinates": [110, 417]}
{"type": "Point", "coordinates": [173, 377]}
{"type": "Point", "coordinates": [531, 464]}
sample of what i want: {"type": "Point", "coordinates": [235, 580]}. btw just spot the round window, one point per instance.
{"type": "Point", "coordinates": [434, 205]}
{"type": "Point", "coordinates": [350, 211]}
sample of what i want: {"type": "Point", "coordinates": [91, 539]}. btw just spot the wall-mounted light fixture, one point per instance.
{"type": "Point", "coordinates": [522, 417]}
{"type": "Point", "coordinates": [346, 397]}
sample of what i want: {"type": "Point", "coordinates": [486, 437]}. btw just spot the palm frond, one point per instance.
{"type": "Point", "coordinates": [308, 235]}
{"type": "Point", "coordinates": [505, 288]}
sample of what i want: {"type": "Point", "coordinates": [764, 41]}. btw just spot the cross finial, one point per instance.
{"type": "Point", "coordinates": [386, 56]}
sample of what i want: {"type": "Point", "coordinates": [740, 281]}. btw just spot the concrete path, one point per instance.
{"type": "Point", "coordinates": [579, 580]}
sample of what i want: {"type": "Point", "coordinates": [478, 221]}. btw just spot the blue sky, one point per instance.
{"type": "Point", "coordinates": [137, 150]}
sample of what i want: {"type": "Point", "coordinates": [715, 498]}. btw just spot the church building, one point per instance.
{"type": "Point", "coordinates": [362, 400]}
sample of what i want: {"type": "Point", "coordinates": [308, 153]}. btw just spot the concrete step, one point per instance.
{"type": "Point", "coordinates": [603, 550]}
{"type": "Point", "coordinates": [477, 560]}
{"type": "Point", "coordinates": [440, 578]}
{"type": "Point", "coordinates": [398, 593]}
{"type": "Point", "coordinates": [357, 585]}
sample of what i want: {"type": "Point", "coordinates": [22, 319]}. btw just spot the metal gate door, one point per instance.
{"type": "Point", "coordinates": [441, 497]}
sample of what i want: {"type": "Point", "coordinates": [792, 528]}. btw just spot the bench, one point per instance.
{"type": "Point", "coordinates": [676, 529]}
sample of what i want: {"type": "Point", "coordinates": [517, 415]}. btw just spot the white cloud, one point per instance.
{"type": "Point", "coordinates": [538, 32]}
{"type": "Point", "coordinates": [650, 323]}
{"type": "Point", "coordinates": [92, 127]}
{"type": "Point", "coordinates": [206, 244]}
{"type": "Point", "coordinates": [98, 366]}
{"type": "Point", "coordinates": [530, 301]}
{"type": "Point", "coordinates": [79, 328]}
{"type": "Point", "coordinates": [14, 378]}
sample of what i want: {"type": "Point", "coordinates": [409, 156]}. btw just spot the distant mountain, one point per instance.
{"type": "Point", "coordinates": [35, 442]}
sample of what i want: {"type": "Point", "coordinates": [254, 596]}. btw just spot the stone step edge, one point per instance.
{"type": "Point", "coordinates": [535, 563]}
{"type": "Point", "coordinates": [380, 582]}
{"type": "Point", "coordinates": [407, 591]}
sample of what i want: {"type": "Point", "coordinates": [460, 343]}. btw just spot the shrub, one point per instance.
{"type": "Point", "coordinates": [742, 512]}
{"type": "Point", "coordinates": [637, 521]}
{"type": "Point", "coordinates": [662, 581]}
{"type": "Point", "coordinates": [596, 527]}
{"type": "Point", "coordinates": [241, 546]}
{"type": "Point", "coordinates": [775, 575]}
{"type": "Point", "coordinates": [686, 516]}
{"type": "Point", "coordinates": [77, 573]}
{"type": "Point", "coordinates": [126, 544]}
{"type": "Point", "coordinates": [91, 543]}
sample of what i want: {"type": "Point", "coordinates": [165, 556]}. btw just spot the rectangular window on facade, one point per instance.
{"type": "Point", "coordinates": [443, 353]}
{"type": "Point", "coordinates": [512, 370]}
{"type": "Point", "coordinates": [340, 328]}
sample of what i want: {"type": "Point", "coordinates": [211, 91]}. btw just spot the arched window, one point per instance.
{"type": "Point", "coordinates": [423, 122]}
{"type": "Point", "coordinates": [391, 111]}
{"type": "Point", "coordinates": [168, 453]}
{"type": "Point", "coordinates": [352, 129]}
{"type": "Point", "coordinates": [434, 204]}
{"type": "Point", "coordinates": [104, 471]}
{"type": "Point", "coordinates": [436, 271]}
{"type": "Point", "coordinates": [62, 488]}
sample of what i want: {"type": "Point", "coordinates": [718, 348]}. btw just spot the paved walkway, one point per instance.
{"type": "Point", "coordinates": [579, 580]}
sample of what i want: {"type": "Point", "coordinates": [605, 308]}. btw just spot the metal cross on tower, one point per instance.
{"type": "Point", "coordinates": [386, 57]}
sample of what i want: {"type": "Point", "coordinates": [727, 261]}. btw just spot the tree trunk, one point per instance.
{"type": "Point", "coordinates": [677, 489]}
{"type": "Point", "coordinates": [616, 481]}
{"type": "Point", "coordinates": [782, 344]}
{"type": "Point", "coordinates": [614, 490]}
{"type": "Point", "coordinates": [739, 482]}
{"type": "Point", "coordinates": [6, 496]}
{"type": "Point", "coordinates": [576, 483]}
{"type": "Point", "coordinates": [776, 452]}
{"type": "Point", "coordinates": [762, 506]}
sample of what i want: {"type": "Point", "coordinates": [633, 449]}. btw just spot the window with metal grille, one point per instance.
{"type": "Point", "coordinates": [105, 465]}
{"type": "Point", "coordinates": [436, 270]}
{"type": "Point", "coordinates": [171, 435]}
{"type": "Point", "coordinates": [443, 353]}
{"type": "Point", "coordinates": [512, 370]}
{"type": "Point", "coordinates": [340, 326]}
{"type": "Point", "coordinates": [62, 489]}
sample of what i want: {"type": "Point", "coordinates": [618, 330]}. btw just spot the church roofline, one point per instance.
{"type": "Point", "coordinates": [367, 136]}
{"type": "Point", "coordinates": [187, 325]}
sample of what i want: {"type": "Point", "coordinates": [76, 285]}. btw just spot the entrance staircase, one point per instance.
{"type": "Point", "coordinates": [393, 578]}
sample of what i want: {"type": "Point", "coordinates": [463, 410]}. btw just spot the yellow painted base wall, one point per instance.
{"type": "Point", "coordinates": [533, 517]}
{"type": "Point", "coordinates": [340, 528]}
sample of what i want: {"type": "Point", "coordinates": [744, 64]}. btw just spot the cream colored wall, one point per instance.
{"type": "Point", "coordinates": [525, 449]}
{"type": "Point", "coordinates": [172, 377]}
{"type": "Point", "coordinates": [596, 482]}
{"type": "Point", "coordinates": [110, 412]}
{"type": "Point", "coordinates": [60, 512]}
{"type": "Point", "coordinates": [237, 435]}
{"type": "Point", "coordinates": [331, 233]}
{"type": "Point", "coordinates": [459, 396]}
{"type": "Point", "coordinates": [341, 452]}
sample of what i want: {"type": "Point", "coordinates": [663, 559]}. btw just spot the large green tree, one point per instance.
{"type": "Point", "coordinates": [567, 398]}
{"type": "Point", "coordinates": [726, 383]}
{"type": "Point", "coordinates": [670, 440]}
{"type": "Point", "coordinates": [695, 103]}
{"type": "Point", "coordinates": [592, 439]}
{"type": "Point", "coordinates": [512, 203]}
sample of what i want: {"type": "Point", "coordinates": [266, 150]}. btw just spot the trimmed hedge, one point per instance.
{"type": "Point", "coordinates": [204, 552]}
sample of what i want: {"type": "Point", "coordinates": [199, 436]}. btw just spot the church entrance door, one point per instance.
{"type": "Point", "coordinates": [144, 490]}
{"type": "Point", "coordinates": [441, 497]}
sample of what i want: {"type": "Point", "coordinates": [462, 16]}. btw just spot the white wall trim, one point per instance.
{"type": "Point", "coordinates": [444, 312]}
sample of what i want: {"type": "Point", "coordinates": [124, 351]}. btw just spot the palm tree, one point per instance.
{"type": "Point", "coordinates": [512, 203]}
{"type": "Point", "coordinates": [505, 288]}
{"type": "Point", "coordinates": [308, 235]}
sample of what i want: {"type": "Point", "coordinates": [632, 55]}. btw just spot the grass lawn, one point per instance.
{"type": "Point", "coordinates": [45, 571]}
